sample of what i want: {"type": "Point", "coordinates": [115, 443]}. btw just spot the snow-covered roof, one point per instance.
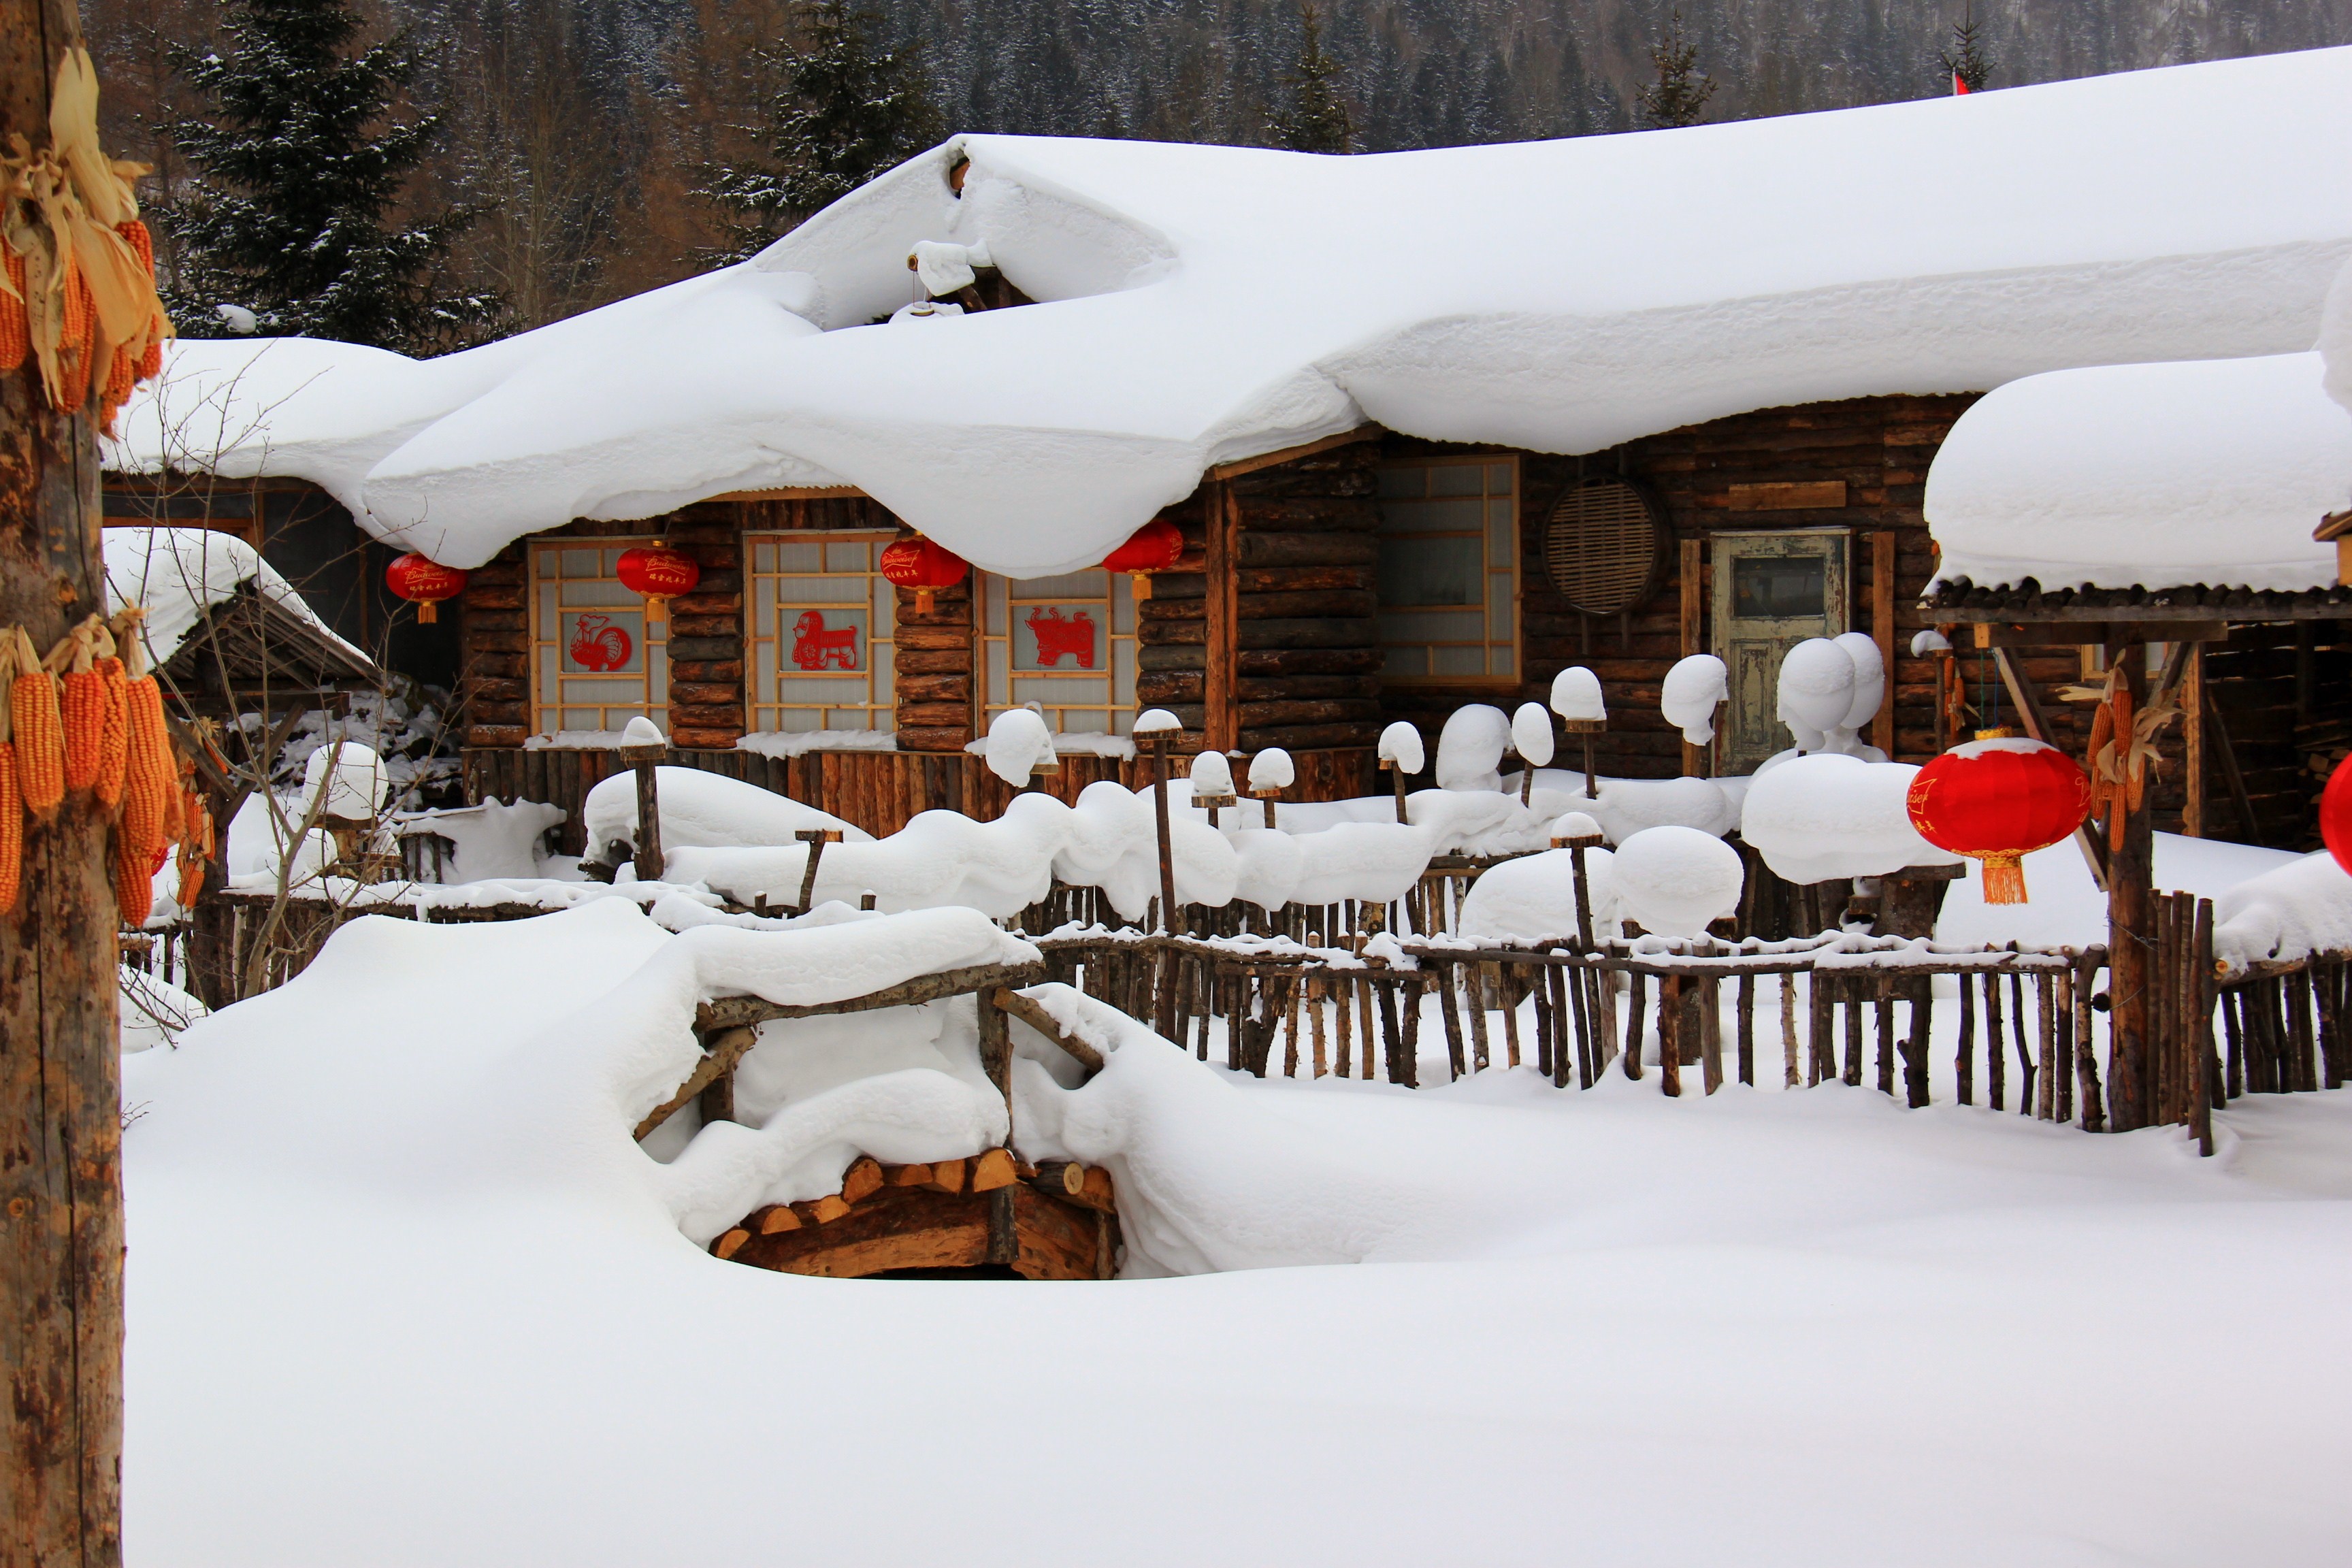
{"type": "Point", "coordinates": [2212, 473]}
{"type": "Point", "coordinates": [179, 574]}
{"type": "Point", "coordinates": [1203, 304]}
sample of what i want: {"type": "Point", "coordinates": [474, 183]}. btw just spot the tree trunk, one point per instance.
{"type": "Point", "coordinates": [60, 1117]}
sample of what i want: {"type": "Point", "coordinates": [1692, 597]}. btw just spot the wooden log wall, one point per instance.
{"type": "Point", "coordinates": [1878, 447]}
{"type": "Point", "coordinates": [1304, 672]}
{"type": "Point", "coordinates": [494, 677]}
{"type": "Point", "coordinates": [934, 674]}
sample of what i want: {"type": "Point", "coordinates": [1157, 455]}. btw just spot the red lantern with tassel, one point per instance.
{"type": "Point", "coordinates": [2336, 814]}
{"type": "Point", "coordinates": [424, 583]}
{"type": "Point", "coordinates": [661, 574]}
{"type": "Point", "coordinates": [1997, 799]}
{"type": "Point", "coordinates": [1156, 546]}
{"type": "Point", "coordinates": [924, 567]}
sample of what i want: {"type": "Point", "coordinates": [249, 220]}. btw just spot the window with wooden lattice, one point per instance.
{"type": "Point", "coordinates": [1605, 546]}
{"type": "Point", "coordinates": [1449, 569]}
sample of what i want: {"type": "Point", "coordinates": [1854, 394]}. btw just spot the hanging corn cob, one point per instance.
{"type": "Point", "coordinates": [40, 731]}
{"type": "Point", "coordinates": [15, 339]}
{"type": "Point", "coordinates": [196, 850]}
{"type": "Point", "coordinates": [114, 740]}
{"type": "Point", "coordinates": [81, 702]}
{"type": "Point", "coordinates": [12, 803]}
{"type": "Point", "coordinates": [149, 777]}
{"type": "Point", "coordinates": [135, 886]}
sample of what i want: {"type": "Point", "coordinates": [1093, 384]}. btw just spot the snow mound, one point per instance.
{"type": "Point", "coordinates": [2302, 908]}
{"type": "Point", "coordinates": [1823, 816]}
{"type": "Point", "coordinates": [1626, 806]}
{"type": "Point", "coordinates": [703, 810]}
{"type": "Point", "coordinates": [2212, 471]}
{"type": "Point", "coordinates": [1470, 747]}
{"type": "Point", "coordinates": [179, 574]}
{"type": "Point", "coordinates": [1535, 897]}
{"type": "Point", "coordinates": [1675, 880]}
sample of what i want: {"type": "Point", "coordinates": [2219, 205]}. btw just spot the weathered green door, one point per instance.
{"type": "Point", "coordinates": [1772, 591]}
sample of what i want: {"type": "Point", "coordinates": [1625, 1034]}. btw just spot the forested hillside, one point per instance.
{"type": "Point", "coordinates": [580, 134]}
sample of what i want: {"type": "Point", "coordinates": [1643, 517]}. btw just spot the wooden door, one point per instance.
{"type": "Point", "coordinates": [1771, 592]}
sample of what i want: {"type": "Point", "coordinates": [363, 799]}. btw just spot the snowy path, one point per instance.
{"type": "Point", "coordinates": [388, 1308]}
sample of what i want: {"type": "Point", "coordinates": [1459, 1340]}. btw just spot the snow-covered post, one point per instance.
{"type": "Point", "coordinates": [643, 748]}
{"type": "Point", "coordinates": [1689, 696]}
{"type": "Point", "coordinates": [1212, 783]}
{"type": "Point", "coordinates": [1577, 832]}
{"type": "Point", "coordinates": [1576, 698]}
{"type": "Point", "coordinates": [1159, 725]}
{"type": "Point", "coordinates": [1270, 773]}
{"type": "Point", "coordinates": [1531, 737]}
{"type": "Point", "coordinates": [1930, 643]}
{"type": "Point", "coordinates": [1400, 754]}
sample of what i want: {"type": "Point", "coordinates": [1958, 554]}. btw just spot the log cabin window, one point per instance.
{"type": "Point", "coordinates": [1449, 570]}
{"type": "Point", "coordinates": [594, 662]}
{"type": "Point", "coordinates": [820, 645]}
{"type": "Point", "coordinates": [1067, 644]}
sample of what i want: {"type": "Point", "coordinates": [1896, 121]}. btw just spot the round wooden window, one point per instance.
{"type": "Point", "coordinates": [1605, 546]}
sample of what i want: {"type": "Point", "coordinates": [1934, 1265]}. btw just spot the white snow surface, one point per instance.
{"type": "Point", "coordinates": [2212, 473]}
{"type": "Point", "coordinates": [493, 1345]}
{"type": "Point", "coordinates": [2303, 907]}
{"type": "Point", "coordinates": [1401, 744]}
{"type": "Point", "coordinates": [1675, 880]}
{"type": "Point", "coordinates": [703, 810]}
{"type": "Point", "coordinates": [179, 574]}
{"type": "Point", "coordinates": [345, 780]}
{"type": "Point", "coordinates": [1826, 816]}
{"type": "Point", "coordinates": [1688, 697]}
{"type": "Point", "coordinates": [1203, 304]}
{"type": "Point", "coordinates": [1535, 897]}
{"type": "Point", "coordinates": [1576, 694]}
{"type": "Point", "coordinates": [1470, 747]}
{"type": "Point", "coordinates": [493, 840]}
{"type": "Point", "coordinates": [1017, 744]}
{"type": "Point", "coordinates": [2064, 908]}
{"type": "Point", "coordinates": [1531, 734]}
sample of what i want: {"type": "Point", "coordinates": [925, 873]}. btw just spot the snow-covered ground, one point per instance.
{"type": "Point", "coordinates": [403, 1292]}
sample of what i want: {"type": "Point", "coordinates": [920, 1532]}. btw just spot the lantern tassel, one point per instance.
{"type": "Point", "coordinates": [428, 612]}
{"type": "Point", "coordinates": [1142, 584]}
{"type": "Point", "coordinates": [2004, 880]}
{"type": "Point", "coordinates": [657, 609]}
{"type": "Point", "coordinates": [923, 599]}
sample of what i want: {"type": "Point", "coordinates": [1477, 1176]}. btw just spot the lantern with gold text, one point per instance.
{"type": "Point", "coordinates": [924, 567]}
{"type": "Point", "coordinates": [1997, 799]}
{"type": "Point", "coordinates": [661, 574]}
{"type": "Point", "coordinates": [424, 583]}
{"type": "Point", "coordinates": [1156, 546]}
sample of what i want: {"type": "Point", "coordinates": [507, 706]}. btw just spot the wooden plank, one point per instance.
{"type": "Point", "coordinates": [730, 1011]}
{"type": "Point", "coordinates": [2192, 725]}
{"type": "Point", "coordinates": [1693, 591]}
{"type": "Point", "coordinates": [1803, 495]}
{"type": "Point", "coordinates": [1219, 473]}
{"type": "Point", "coordinates": [1220, 719]}
{"type": "Point", "coordinates": [806, 492]}
{"type": "Point", "coordinates": [1881, 632]}
{"type": "Point", "coordinates": [1032, 1012]}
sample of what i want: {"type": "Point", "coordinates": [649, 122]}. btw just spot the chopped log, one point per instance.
{"type": "Point", "coordinates": [821, 1211]}
{"type": "Point", "coordinates": [948, 1175]}
{"type": "Point", "coordinates": [1063, 1178]}
{"type": "Point", "coordinates": [906, 1176]}
{"type": "Point", "coordinates": [993, 1169]}
{"type": "Point", "coordinates": [773, 1219]}
{"type": "Point", "coordinates": [862, 1180]}
{"type": "Point", "coordinates": [724, 1048]}
{"type": "Point", "coordinates": [1098, 1193]}
{"type": "Point", "coordinates": [729, 1242]}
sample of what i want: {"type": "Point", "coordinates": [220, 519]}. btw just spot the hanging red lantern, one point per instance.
{"type": "Point", "coordinates": [424, 583]}
{"type": "Point", "coordinates": [1997, 799]}
{"type": "Point", "coordinates": [924, 567]}
{"type": "Point", "coordinates": [2336, 814]}
{"type": "Point", "coordinates": [661, 574]}
{"type": "Point", "coordinates": [1156, 546]}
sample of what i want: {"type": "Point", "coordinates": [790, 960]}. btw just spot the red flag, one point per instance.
{"type": "Point", "coordinates": [1959, 88]}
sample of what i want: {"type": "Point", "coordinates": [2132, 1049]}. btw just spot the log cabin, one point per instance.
{"type": "Point", "coordinates": [1430, 429]}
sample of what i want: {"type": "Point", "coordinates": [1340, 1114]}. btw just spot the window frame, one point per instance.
{"type": "Point", "coordinates": [654, 650]}
{"type": "Point", "coordinates": [1514, 641]}
{"type": "Point", "coordinates": [1121, 648]}
{"type": "Point", "coordinates": [763, 651]}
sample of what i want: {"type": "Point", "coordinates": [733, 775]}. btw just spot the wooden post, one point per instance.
{"type": "Point", "coordinates": [2131, 932]}
{"type": "Point", "coordinates": [1670, 1033]}
{"type": "Point", "coordinates": [60, 1101]}
{"type": "Point", "coordinates": [2192, 739]}
{"type": "Point", "coordinates": [1881, 632]}
{"type": "Point", "coordinates": [646, 760]}
{"type": "Point", "coordinates": [1693, 606]}
{"type": "Point", "coordinates": [1219, 728]}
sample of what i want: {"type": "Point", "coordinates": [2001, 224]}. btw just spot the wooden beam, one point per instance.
{"type": "Point", "coordinates": [730, 1011]}
{"type": "Point", "coordinates": [2231, 775]}
{"type": "Point", "coordinates": [799, 492]}
{"type": "Point", "coordinates": [1220, 726]}
{"type": "Point", "coordinates": [1781, 495]}
{"type": "Point", "coordinates": [1220, 472]}
{"type": "Point", "coordinates": [1032, 1012]}
{"type": "Point", "coordinates": [2192, 735]}
{"type": "Point", "coordinates": [1692, 587]}
{"type": "Point", "coordinates": [719, 1058]}
{"type": "Point", "coordinates": [1881, 632]}
{"type": "Point", "coordinates": [2133, 615]}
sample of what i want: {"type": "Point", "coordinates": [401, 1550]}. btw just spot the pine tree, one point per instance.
{"type": "Point", "coordinates": [1679, 94]}
{"type": "Point", "coordinates": [842, 110]}
{"type": "Point", "coordinates": [1966, 61]}
{"type": "Point", "coordinates": [301, 167]}
{"type": "Point", "coordinates": [1317, 118]}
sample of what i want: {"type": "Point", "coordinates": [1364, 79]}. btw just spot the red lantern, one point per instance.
{"type": "Point", "coordinates": [1998, 799]}
{"type": "Point", "coordinates": [424, 584]}
{"type": "Point", "coordinates": [924, 567]}
{"type": "Point", "coordinates": [1156, 546]}
{"type": "Point", "coordinates": [661, 574]}
{"type": "Point", "coordinates": [2336, 814]}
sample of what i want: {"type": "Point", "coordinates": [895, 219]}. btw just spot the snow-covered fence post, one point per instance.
{"type": "Point", "coordinates": [1270, 773]}
{"type": "Point", "coordinates": [816, 838]}
{"type": "Point", "coordinates": [1576, 698]}
{"type": "Point", "coordinates": [1159, 725]}
{"type": "Point", "coordinates": [643, 748]}
{"type": "Point", "coordinates": [1531, 737]}
{"type": "Point", "coordinates": [1400, 754]}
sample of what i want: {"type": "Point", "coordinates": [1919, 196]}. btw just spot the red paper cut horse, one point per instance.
{"type": "Point", "coordinates": [1057, 634]}
{"type": "Point", "coordinates": [815, 648]}
{"type": "Point", "coordinates": [598, 644]}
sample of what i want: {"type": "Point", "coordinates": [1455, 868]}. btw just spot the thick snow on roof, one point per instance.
{"type": "Point", "coordinates": [178, 573]}
{"type": "Point", "coordinates": [2210, 472]}
{"type": "Point", "coordinates": [1207, 304]}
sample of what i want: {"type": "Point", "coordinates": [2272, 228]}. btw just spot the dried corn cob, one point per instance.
{"type": "Point", "coordinates": [76, 348]}
{"type": "Point", "coordinates": [39, 733]}
{"type": "Point", "coordinates": [83, 707]}
{"type": "Point", "coordinates": [151, 777]}
{"type": "Point", "coordinates": [114, 741]}
{"type": "Point", "coordinates": [11, 831]}
{"type": "Point", "coordinates": [134, 885]}
{"type": "Point", "coordinates": [175, 801]}
{"type": "Point", "coordinates": [141, 243]}
{"type": "Point", "coordinates": [15, 333]}
{"type": "Point", "coordinates": [195, 851]}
